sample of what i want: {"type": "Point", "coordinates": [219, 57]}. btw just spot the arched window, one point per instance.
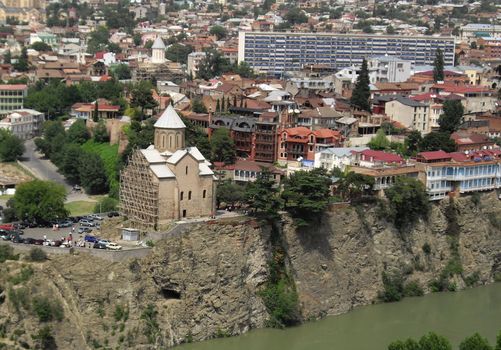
{"type": "Point", "coordinates": [163, 143]}
{"type": "Point", "coordinates": [204, 193]}
{"type": "Point", "coordinates": [186, 170]}
{"type": "Point", "coordinates": [170, 141]}
{"type": "Point", "coordinates": [178, 140]}
{"type": "Point", "coordinates": [189, 196]}
{"type": "Point", "coordinates": [181, 196]}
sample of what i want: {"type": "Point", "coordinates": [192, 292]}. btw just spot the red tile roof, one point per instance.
{"type": "Point", "coordinates": [16, 87]}
{"type": "Point", "coordinates": [381, 156]}
{"type": "Point", "coordinates": [435, 155]}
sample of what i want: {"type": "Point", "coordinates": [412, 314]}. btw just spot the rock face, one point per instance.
{"type": "Point", "coordinates": [338, 265]}
{"type": "Point", "coordinates": [204, 283]}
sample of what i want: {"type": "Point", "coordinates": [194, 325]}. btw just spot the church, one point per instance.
{"type": "Point", "coordinates": [167, 181]}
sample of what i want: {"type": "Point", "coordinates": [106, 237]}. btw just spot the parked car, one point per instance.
{"type": "Point", "coordinates": [77, 188]}
{"type": "Point", "coordinates": [99, 245]}
{"type": "Point", "coordinates": [91, 239]}
{"type": "Point", "coordinates": [38, 241]}
{"type": "Point", "coordinates": [65, 223]}
{"type": "Point", "coordinates": [113, 246]}
{"type": "Point", "coordinates": [113, 214]}
{"type": "Point", "coordinates": [5, 236]}
{"type": "Point", "coordinates": [85, 222]}
{"type": "Point", "coordinates": [96, 217]}
{"type": "Point", "coordinates": [28, 240]}
{"type": "Point", "coordinates": [56, 243]}
{"type": "Point", "coordinates": [104, 241]}
{"type": "Point", "coordinates": [82, 230]}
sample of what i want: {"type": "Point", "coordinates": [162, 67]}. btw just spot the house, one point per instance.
{"type": "Point", "coordinates": [459, 172]}
{"type": "Point", "coordinates": [167, 181]}
{"type": "Point", "coordinates": [409, 113]}
{"type": "Point", "coordinates": [301, 143]}
{"type": "Point", "coordinates": [336, 157]}
{"type": "Point", "coordinates": [372, 159]}
{"type": "Point", "coordinates": [86, 110]}
{"type": "Point", "coordinates": [466, 141]}
{"type": "Point", "coordinates": [24, 123]}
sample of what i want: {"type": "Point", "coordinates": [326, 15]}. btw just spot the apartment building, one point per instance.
{"type": "Point", "coordinates": [471, 31]}
{"type": "Point", "coordinates": [12, 97]}
{"type": "Point", "coordinates": [279, 52]}
{"type": "Point", "coordinates": [194, 60]}
{"type": "Point", "coordinates": [391, 69]}
{"type": "Point", "coordinates": [460, 172]}
{"type": "Point", "coordinates": [23, 123]}
{"type": "Point", "coordinates": [411, 114]}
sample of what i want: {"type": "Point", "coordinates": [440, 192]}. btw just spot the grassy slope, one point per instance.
{"type": "Point", "coordinates": [79, 208]}
{"type": "Point", "coordinates": [109, 155]}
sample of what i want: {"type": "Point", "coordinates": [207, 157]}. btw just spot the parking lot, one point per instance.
{"type": "Point", "coordinates": [70, 235]}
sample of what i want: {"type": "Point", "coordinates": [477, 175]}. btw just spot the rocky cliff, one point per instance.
{"type": "Point", "coordinates": [205, 283]}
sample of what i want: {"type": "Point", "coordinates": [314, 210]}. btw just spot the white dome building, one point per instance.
{"type": "Point", "coordinates": [158, 51]}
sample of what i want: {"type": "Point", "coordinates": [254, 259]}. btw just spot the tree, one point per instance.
{"type": "Point", "coordinates": [229, 193]}
{"type": "Point", "coordinates": [295, 16]}
{"type": "Point", "coordinates": [380, 141]}
{"type": "Point", "coordinates": [390, 30]}
{"type": "Point", "coordinates": [95, 113]}
{"type": "Point", "coordinates": [122, 72]}
{"type": "Point", "coordinates": [11, 146]}
{"type": "Point", "coordinates": [212, 65]}
{"type": "Point", "coordinates": [498, 341]}
{"type": "Point", "coordinates": [70, 165]}
{"type": "Point", "coordinates": [101, 133]}
{"type": "Point", "coordinates": [438, 66]}
{"type": "Point", "coordinates": [219, 31]}
{"type": "Point", "coordinates": [196, 137]}
{"type": "Point", "coordinates": [353, 185]}
{"type": "Point", "coordinates": [78, 132]}
{"type": "Point", "coordinates": [106, 205]}
{"type": "Point", "coordinates": [197, 106]}
{"type": "Point", "coordinates": [7, 57]}
{"type": "Point", "coordinates": [40, 201]}
{"type": "Point", "coordinates": [244, 70]}
{"type": "Point", "coordinates": [22, 64]}
{"type": "Point", "coordinates": [475, 342]}
{"type": "Point", "coordinates": [452, 117]}
{"type": "Point", "coordinates": [412, 142]}
{"type": "Point", "coordinates": [435, 141]}
{"type": "Point", "coordinates": [44, 339]}
{"type": "Point", "coordinates": [115, 48]}
{"type": "Point", "coordinates": [222, 146]}
{"type": "Point", "coordinates": [92, 174]}
{"type": "Point", "coordinates": [306, 193]}
{"type": "Point", "coordinates": [142, 96]}
{"type": "Point", "coordinates": [408, 201]}
{"type": "Point", "coordinates": [41, 46]}
{"type": "Point", "coordinates": [98, 40]}
{"type": "Point", "coordinates": [433, 341]}
{"type": "Point", "coordinates": [218, 106]}
{"type": "Point", "coordinates": [361, 92]}
{"type": "Point", "coordinates": [178, 53]}
{"type": "Point", "coordinates": [262, 195]}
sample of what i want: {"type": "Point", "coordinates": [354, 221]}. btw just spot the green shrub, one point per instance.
{"type": "Point", "coordinates": [472, 280]}
{"type": "Point", "coordinates": [393, 287]}
{"type": "Point", "coordinates": [426, 248]}
{"type": "Point", "coordinates": [495, 220]}
{"type": "Point", "coordinates": [281, 301]}
{"type": "Point", "coordinates": [7, 253]}
{"type": "Point", "coordinates": [19, 298]}
{"type": "Point", "coordinates": [105, 205]}
{"type": "Point", "coordinates": [120, 313]}
{"type": "Point", "coordinates": [45, 339]}
{"type": "Point", "coordinates": [23, 276]}
{"type": "Point", "coordinates": [413, 289]}
{"type": "Point", "coordinates": [150, 243]}
{"type": "Point", "coordinates": [46, 310]}
{"type": "Point", "coordinates": [152, 328]}
{"type": "Point", "coordinates": [38, 255]}
{"type": "Point", "coordinates": [475, 199]}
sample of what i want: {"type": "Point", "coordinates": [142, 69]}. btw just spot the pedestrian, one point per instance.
{"type": "Point", "coordinates": [44, 238]}
{"type": "Point", "coordinates": [73, 229]}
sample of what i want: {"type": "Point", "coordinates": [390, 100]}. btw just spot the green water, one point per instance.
{"type": "Point", "coordinates": [454, 315]}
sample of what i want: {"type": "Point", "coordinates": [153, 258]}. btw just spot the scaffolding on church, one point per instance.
{"type": "Point", "coordinates": [139, 193]}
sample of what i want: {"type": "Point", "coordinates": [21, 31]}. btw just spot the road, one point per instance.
{"type": "Point", "coordinates": [44, 169]}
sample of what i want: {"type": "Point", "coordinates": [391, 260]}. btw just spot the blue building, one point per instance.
{"type": "Point", "coordinates": [279, 52]}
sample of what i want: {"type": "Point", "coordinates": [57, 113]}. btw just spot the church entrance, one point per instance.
{"type": "Point", "coordinates": [184, 213]}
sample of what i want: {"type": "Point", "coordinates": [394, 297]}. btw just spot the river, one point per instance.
{"type": "Point", "coordinates": [454, 315]}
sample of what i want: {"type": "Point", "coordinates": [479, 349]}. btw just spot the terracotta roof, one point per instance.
{"type": "Point", "coordinates": [396, 86]}
{"type": "Point", "coordinates": [460, 89]}
{"type": "Point", "coordinates": [381, 156]}
{"type": "Point", "coordinates": [326, 133]}
{"type": "Point", "coordinates": [15, 87]}
{"type": "Point", "coordinates": [434, 155]}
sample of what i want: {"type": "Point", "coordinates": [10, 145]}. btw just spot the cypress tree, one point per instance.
{"type": "Point", "coordinates": [95, 115]}
{"type": "Point", "coordinates": [361, 92]}
{"type": "Point", "coordinates": [218, 106]}
{"type": "Point", "coordinates": [438, 66]}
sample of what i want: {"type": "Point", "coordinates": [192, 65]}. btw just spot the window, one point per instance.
{"type": "Point", "coordinates": [204, 193]}
{"type": "Point", "coordinates": [189, 195]}
{"type": "Point", "coordinates": [184, 213]}
{"type": "Point", "coordinates": [186, 170]}
{"type": "Point", "coordinates": [181, 196]}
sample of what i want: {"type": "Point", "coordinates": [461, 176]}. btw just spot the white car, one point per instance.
{"type": "Point", "coordinates": [113, 246]}
{"type": "Point", "coordinates": [104, 241]}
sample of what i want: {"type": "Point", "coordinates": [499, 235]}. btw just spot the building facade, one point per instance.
{"type": "Point", "coordinates": [383, 69]}
{"type": "Point", "coordinates": [279, 52]}
{"type": "Point", "coordinates": [12, 97]}
{"type": "Point", "coordinates": [24, 123]}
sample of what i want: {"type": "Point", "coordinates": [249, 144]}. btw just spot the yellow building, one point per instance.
{"type": "Point", "coordinates": [167, 181]}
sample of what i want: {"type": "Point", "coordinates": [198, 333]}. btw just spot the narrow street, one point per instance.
{"type": "Point", "coordinates": [44, 169]}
